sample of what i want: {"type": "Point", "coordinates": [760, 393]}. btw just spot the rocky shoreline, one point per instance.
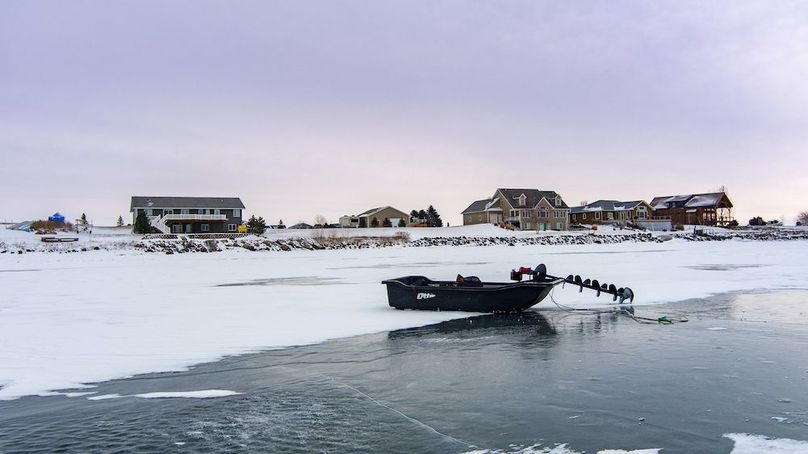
{"type": "Point", "coordinates": [255, 243]}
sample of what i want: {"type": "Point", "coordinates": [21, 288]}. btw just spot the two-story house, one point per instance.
{"type": "Point", "coordinates": [189, 214]}
{"type": "Point", "coordinates": [526, 209]}
{"type": "Point", "coordinates": [713, 209]}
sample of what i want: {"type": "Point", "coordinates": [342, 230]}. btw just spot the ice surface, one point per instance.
{"type": "Point", "coordinates": [757, 444]}
{"type": "Point", "coordinates": [70, 320]}
{"type": "Point", "coordinates": [203, 394]}
{"type": "Point", "coordinates": [559, 449]}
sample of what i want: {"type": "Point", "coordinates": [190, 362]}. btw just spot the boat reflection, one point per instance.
{"type": "Point", "coordinates": [526, 323]}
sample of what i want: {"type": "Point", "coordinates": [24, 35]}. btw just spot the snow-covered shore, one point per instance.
{"type": "Point", "coordinates": [71, 319]}
{"type": "Point", "coordinates": [120, 239]}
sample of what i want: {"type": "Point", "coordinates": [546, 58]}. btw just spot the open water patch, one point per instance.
{"type": "Point", "coordinates": [544, 381]}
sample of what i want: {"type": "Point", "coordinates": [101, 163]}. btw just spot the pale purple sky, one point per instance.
{"type": "Point", "coordinates": [333, 107]}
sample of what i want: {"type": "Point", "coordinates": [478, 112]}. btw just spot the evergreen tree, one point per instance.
{"type": "Point", "coordinates": [120, 221]}
{"type": "Point", "coordinates": [83, 219]}
{"type": "Point", "coordinates": [256, 226]}
{"type": "Point", "coordinates": [363, 223]}
{"type": "Point", "coordinates": [401, 223]}
{"type": "Point", "coordinates": [142, 225]}
{"type": "Point", "coordinates": [387, 223]}
{"type": "Point", "coordinates": [422, 214]}
{"type": "Point", "coordinates": [413, 214]}
{"type": "Point", "coordinates": [757, 220]}
{"type": "Point", "coordinates": [374, 222]}
{"type": "Point", "coordinates": [433, 218]}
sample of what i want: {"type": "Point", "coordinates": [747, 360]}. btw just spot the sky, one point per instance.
{"type": "Point", "coordinates": [334, 107]}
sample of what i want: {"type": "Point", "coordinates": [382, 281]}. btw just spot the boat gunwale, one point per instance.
{"type": "Point", "coordinates": [486, 286]}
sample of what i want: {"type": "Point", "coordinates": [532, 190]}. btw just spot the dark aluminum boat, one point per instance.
{"type": "Point", "coordinates": [469, 294]}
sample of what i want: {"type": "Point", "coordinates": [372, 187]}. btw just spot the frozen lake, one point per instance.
{"type": "Point", "coordinates": [71, 320]}
{"type": "Point", "coordinates": [499, 383]}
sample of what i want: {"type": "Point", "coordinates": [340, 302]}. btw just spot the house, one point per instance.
{"type": "Point", "coordinates": [712, 209]}
{"type": "Point", "coordinates": [301, 226]}
{"type": "Point", "coordinates": [348, 221]}
{"type": "Point", "coordinates": [526, 209]}
{"type": "Point", "coordinates": [381, 216]}
{"type": "Point", "coordinates": [189, 214]}
{"type": "Point", "coordinates": [611, 212]}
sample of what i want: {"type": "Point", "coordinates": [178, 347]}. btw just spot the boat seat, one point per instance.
{"type": "Point", "coordinates": [470, 281]}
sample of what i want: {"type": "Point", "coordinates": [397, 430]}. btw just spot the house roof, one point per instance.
{"type": "Point", "coordinates": [708, 199]}
{"type": "Point", "coordinates": [185, 202]}
{"type": "Point", "coordinates": [607, 205]}
{"type": "Point", "coordinates": [477, 206]}
{"type": "Point", "coordinates": [300, 225]}
{"type": "Point", "coordinates": [533, 197]}
{"type": "Point", "coordinates": [373, 211]}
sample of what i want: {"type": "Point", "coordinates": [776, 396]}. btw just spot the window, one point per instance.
{"type": "Point", "coordinates": [217, 211]}
{"type": "Point", "coordinates": [610, 215]}
{"type": "Point", "coordinates": [522, 200]}
{"type": "Point", "coordinates": [543, 212]}
{"type": "Point", "coordinates": [203, 211]}
{"type": "Point", "coordinates": [204, 227]}
{"type": "Point", "coordinates": [184, 211]}
{"type": "Point", "coordinates": [514, 213]}
{"type": "Point", "coordinates": [559, 226]}
{"type": "Point", "coordinates": [165, 212]}
{"type": "Point", "coordinates": [597, 215]}
{"type": "Point", "coordinates": [236, 213]}
{"type": "Point", "coordinates": [230, 227]}
{"type": "Point", "coordinates": [583, 215]}
{"type": "Point", "coordinates": [148, 211]}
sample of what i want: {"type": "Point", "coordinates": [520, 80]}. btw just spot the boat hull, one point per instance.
{"type": "Point", "coordinates": [415, 292]}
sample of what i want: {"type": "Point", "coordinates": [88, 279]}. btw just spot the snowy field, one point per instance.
{"type": "Point", "coordinates": [67, 321]}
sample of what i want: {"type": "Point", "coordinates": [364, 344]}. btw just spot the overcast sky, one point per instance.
{"type": "Point", "coordinates": [333, 107]}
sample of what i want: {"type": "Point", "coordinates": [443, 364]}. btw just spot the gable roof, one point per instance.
{"type": "Point", "coordinates": [185, 202]}
{"type": "Point", "coordinates": [607, 205]}
{"type": "Point", "coordinates": [533, 197]}
{"type": "Point", "coordinates": [477, 206]}
{"type": "Point", "coordinates": [373, 211]}
{"type": "Point", "coordinates": [707, 199]}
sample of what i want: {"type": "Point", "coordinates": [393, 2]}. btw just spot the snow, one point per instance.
{"type": "Point", "coordinates": [558, 449]}
{"type": "Point", "coordinates": [70, 320]}
{"type": "Point", "coordinates": [756, 444]}
{"type": "Point", "coordinates": [203, 394]}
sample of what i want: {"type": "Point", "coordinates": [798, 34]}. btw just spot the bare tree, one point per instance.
{"type": "Point", "coordinates": [320, 220]}
{"type": "Point", "coordinates": [802, 218]}
{"type": "Point", "coordinates": [584, 203]}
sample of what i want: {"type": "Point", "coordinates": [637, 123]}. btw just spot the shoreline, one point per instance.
{"type": "Point", "coordinates": [335, 241]}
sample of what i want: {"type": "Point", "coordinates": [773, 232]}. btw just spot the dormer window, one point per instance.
{"type": "Point", "coordinates": [558, 201]}
{"type": "Point", "coordinates": [522, 200]}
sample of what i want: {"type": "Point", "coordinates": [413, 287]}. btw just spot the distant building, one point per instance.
{"type": "Point", "coordinates": [525, 209]}
{"type": "Point", "coordinates": [301, 226]}
{"type": "Point", "coordinates": [189, 214]}
{"type": "Point", "coordinates": [620, 213]}
{"type": "Point", "coordinates": [711, 209]}
{"type": "Point", "coordinates": [611, 211]}
{"type": "Point", "coordinates": [348, 221]}
{"type": "Point", "coordinates": [378, 217]}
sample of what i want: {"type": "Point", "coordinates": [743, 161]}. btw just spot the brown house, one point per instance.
{"type": "Point", "coordinates": [611, 212]}
{"type": "Point", "coordinates": [526, 209]}
{"type": "Point", "coordinates": [712, 209]}
{"type": "Point", "coordinates": [378, 217]}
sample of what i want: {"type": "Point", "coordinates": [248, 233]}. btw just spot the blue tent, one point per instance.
{"type": "Point", "coordinates": [57, 217]}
